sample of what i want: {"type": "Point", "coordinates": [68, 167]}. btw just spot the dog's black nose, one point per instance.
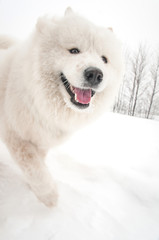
{"type": "Point", "coordinates": [93, 76]}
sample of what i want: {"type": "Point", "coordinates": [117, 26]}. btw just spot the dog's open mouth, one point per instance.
{"type": "Point", "coordinates": [79, 97]}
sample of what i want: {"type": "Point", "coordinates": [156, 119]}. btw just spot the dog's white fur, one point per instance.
{"type": "Point", "coordinates": [35, 108]}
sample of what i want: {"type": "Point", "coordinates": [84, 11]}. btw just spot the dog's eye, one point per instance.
{"type": "Point", "coordinates": [74, 51]}
{"type": "Point", "coordinates": [105, 60]}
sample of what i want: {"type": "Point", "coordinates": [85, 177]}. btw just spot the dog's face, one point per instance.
{"type": "Point", "coordinates": [83, 59]}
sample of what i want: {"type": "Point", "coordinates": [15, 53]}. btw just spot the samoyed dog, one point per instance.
{"type": "Point", "coordinates": [63, 76]}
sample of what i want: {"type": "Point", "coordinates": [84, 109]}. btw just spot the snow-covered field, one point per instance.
{"type": "Point", "coordinates": [108, 181]}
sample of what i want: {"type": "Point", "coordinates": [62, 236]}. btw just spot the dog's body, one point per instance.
{"type": "Point", "coordinates": [63, 76]}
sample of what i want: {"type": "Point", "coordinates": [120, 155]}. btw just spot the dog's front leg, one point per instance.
{"type": "Point", "coordinates": [31, 160]}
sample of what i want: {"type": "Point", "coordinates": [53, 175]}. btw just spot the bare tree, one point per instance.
{"type": "Point", "coordinates": [139, 64]}
{"type": "Point", "coordinates": [155, 76]}
{"type": "Point", "coordinates": [122, 101]}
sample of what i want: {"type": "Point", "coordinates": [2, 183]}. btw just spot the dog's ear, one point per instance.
{"type": "Point", "coordinates": [68, 11]}
{"type": "Point", "coordinates": [39, 25]}
{"type": "Point", "coordinates": [43, 24]}
{"type": "Point", "coordinates": [110, 28]}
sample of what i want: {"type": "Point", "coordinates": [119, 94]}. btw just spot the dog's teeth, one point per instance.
{"type": "Point", "coordinates": [76, 97]}
{"type": "Point", "coordinates": [71, 88]}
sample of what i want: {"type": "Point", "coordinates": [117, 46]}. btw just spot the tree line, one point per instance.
{"type": "Point", "coordinates": [139, 92]}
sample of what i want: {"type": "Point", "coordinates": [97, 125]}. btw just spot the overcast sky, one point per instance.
{"type": "Point", "coordinates": [133, 21]}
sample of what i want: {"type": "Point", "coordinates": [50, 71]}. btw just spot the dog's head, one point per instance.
{"type": "Point", "coordinates": [79, 59]}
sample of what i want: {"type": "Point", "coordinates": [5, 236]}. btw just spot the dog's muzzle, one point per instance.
{"type": "Point", "coordinates": [81, 97]}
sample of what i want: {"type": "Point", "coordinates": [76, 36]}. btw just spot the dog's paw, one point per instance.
{"type": "Point", "coordinates": [49, 199]}
{"type": "Point", "coordinates": [46, 193]}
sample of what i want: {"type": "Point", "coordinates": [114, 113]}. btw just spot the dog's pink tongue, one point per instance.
{"type": "Point", "coordinates": [83, 95]}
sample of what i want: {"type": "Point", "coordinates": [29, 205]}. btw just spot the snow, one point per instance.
{"type": "Point", "coordinates": [108, 181]}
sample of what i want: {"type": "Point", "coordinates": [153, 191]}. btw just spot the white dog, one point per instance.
{"type": "Point", "coordinates": [64, 75]}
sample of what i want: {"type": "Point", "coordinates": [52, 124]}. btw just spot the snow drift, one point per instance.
{"type": "Point", "coordinates": [108, 181]}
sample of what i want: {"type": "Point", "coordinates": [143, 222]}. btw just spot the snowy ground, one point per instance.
{"type": "Point", "coordinates": [108, 181]}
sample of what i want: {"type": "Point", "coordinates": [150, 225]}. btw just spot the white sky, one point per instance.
{"type": "Point", "coordinates": [133, 21]}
